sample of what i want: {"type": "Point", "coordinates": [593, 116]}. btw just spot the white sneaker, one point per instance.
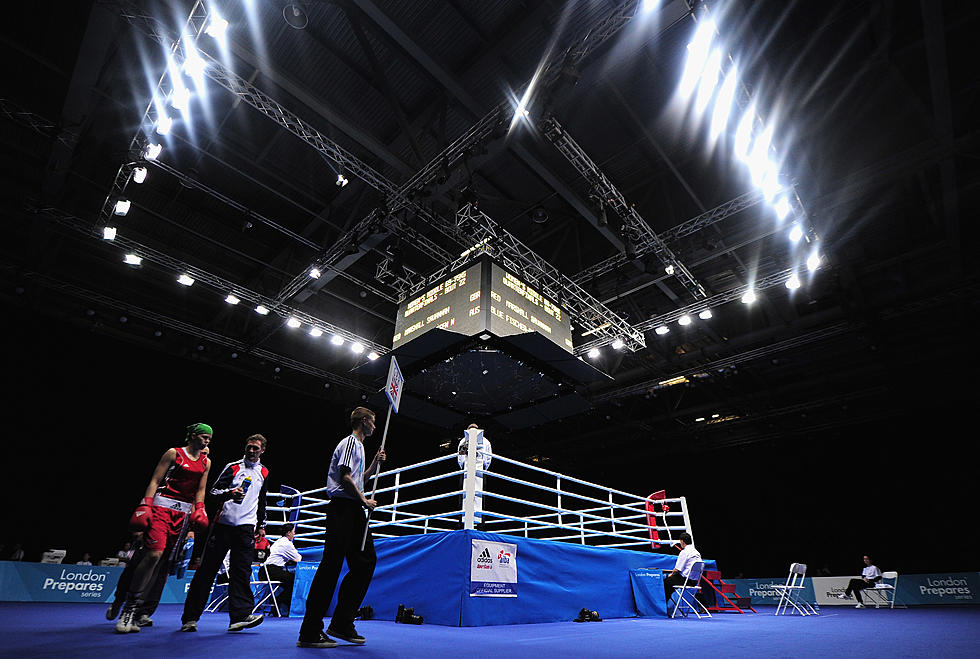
{"type": "Point", "coordinates": [144, 620]}
{"type": "Point", "coordinates": [126, 623]}
{"type": "Point", "coordinates": [859, 606]}
{"type": "Point", "coordinates": [189, 626]}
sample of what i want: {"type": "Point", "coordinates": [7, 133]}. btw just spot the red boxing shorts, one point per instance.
{"type": "Point", "coordinates": [166, 526]}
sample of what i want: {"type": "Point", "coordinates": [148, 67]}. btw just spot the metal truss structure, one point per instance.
{"type": "Point", "coordinates": [222, 286]}
{"type": "Point", "coordinates": [37, 123]}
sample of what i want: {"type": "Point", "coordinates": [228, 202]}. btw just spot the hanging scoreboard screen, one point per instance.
{"type": "Point", "coordinates": [484, 297]}
{"type": "Point", "coordinates": [517, 308]}
{"type": "Point", "coordinates": [452, 305]}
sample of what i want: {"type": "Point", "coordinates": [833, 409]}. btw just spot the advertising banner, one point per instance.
{"type": "Point", "coordinates": [762, 592]}
{"type": "Point", "coordinates": [828, 589]}
{"type": "Point", "coordinates": [53, 582]}
{"type": "Point", "coordinates": [648, 592]}
{"type": "Point", "coordinates": [493, 569]}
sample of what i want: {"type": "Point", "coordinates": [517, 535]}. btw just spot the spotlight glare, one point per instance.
{"type": "Point", "coordinates": [293, 322]}
{"type": "Point", "coordinates": [217, 28]}
{"type": "Point", "coordinates": [139, 174]}
{"type": "Point", "coordinates": [315, 273]}
{"type": "Point", "coordinates": [231, 299]}
{"type": "Point", "coordinates": [152, 151]}
{"type": "Point", "coordinates": [723, 104]}
{"type": "Point", "coordinates": [316, 332]}
{"type": "Point", "coordinates": [593, 353]}
{"type": "Point", "coordinates": [709, 79]}
{"type": "Point", "coordinates": [341, 180]}
{"type": "Point", "coordinates": [782, 207]}
{"type": "Point", "coordinates": [793, 282]}
{"type": "Point", "coordinates": [684, 320]}
{"type": "Point", "coordinates": [669, 269]}
{"type": "Point", "coordinates": [121, 207]}
{"type": "Point", "coordinates": [743, 134]}
{"type": "Point", "coordinates": [194, 65]}
{"type": "Point", "coordinates": [132, 259]}
{"type": "Point", "coordinates": [696, 57]}
{"type": "Point", "coordinates": [770, 182]}
{"type": "Point", "coordinates": [337, 340]}
{"type": "Point", "coordinates": [813, 261]}
{"type": "Point", "coordinates": [357, 347]}
{"type": "Point", "coordinates": [663, 329]}
{"type": "Point", "coordinates": [373, 355]}
{"type": "Point", "coordinates": [180, 98]}
{"type": "Point", "coordinates": [109, 233]}
{"type": "Point", "coordinates": [618, 344]}
{"type": "Point", "coordinates": [185, 280]}
{"type": "Point", "coordinates": [262, 310]}
{"type": "Point", "coordinates": [796, 233]}
{"type": "Point", "coordinates": [749, 297]}
{"type": "Point", "coordinates": [164, 124]}
{"type": "Point", "coordinates": [705, 315]}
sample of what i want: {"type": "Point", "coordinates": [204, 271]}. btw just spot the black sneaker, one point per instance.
{"type": "Point", "coordinates": [113, 611]}
{"type": "Point", "coordinates": [323, 641]}
{"type": "Point", "coordinates": [347, 633]}
{"type": "Point", "coordinates": [251, 621]}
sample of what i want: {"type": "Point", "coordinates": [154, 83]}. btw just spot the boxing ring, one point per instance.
{"type": "Point", "coordinates": [574, 542]}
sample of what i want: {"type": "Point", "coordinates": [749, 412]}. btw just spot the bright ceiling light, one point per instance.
{"type": "Point", "coordinates": [108, 233]}
{"type": "Point", "coordinates": [316, 332]}
{"type": "Point", "coordinates": [194, 65]}
{"type": "Point", "coordinates": [593, 353]}
{"type": "Point", "coordinates": [262, 310]}
{"type": "Point", "coordinates": [749, 297]}
{"type": "Point", "coordinates": [650, 5]}
{"type": "Point", "coordinates": [723, 104]}
{"type": "Point", "coordinates": [709, 79]}
{"type": "Point", "coordinates": [232, 299]}
{"type": "Point", "coordinates": [669, 269]}
{"type": "Point", "coordinates": [684, 320]}
{"type": "Point", "coordinates": [793, 282]}
{"type": "Point", "coordinates": [217, 28]}
{"type": "Point", "coordinates": [132, 259]}
{"type": "Point", "coordinates": [813, 261]}
{"type": "Point", "coordinates": [185, 280]}
{"type": "Point", "coordinates": [663, 329]}
{"type": "Point", "coordinates": [697, 55]}
{"type": "Point", "coordinates": [759, 158]}
{"type": "Point", "coordinates": [796, 233]}
{"type": "Point", "coordinates": [705, 315]}
{"type": "Point", "coordinates": [152, 151]}
{"type": "Point", "coordinates": [770, 182]}
{"type": "Point", "coordinates": [782, 207]}
{"type": "Point", "coordinates": [164, 124]}
{"type": "Point", "coordinates": [373, 355]}
{"type": "Point", "coordinates": [618, 344]}
{"type": "Point", "coordinates": [293, 322]}
{"type": "Point", "coordinates": [121, 207]}
{"type": "Point", "coordinates": [315, 273]}
{"type": "Point", "coordinates": [181, 97]}
{"type": "Point", "coordinates": [337, 340]}
{"type": "Point", "coordinates": [341, 181]}
{"type": "Point", "coordinates": [357, 347]}
{"type": "Point", "coordinates": [139, 174]}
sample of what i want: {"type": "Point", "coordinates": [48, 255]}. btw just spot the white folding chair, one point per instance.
{"type": "Point", "coordinates": [687, 592]}
{"type": "Point", "coordinates": [791, 592]}
{"type": "Point", "coordinates": [270, 586]}
{"type": "Point", "coordinates": [883, 593]}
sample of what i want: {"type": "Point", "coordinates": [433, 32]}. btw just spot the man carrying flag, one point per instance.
{"type": "Point", "coordinates": [345, 532]}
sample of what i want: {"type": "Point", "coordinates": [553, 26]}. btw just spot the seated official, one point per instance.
{"type": "Point", "coordinates": [281, 553]}
{"type": "Point", "coordinates": [870, 575]}
{"type": "Point", "coordinates": [682, 568]}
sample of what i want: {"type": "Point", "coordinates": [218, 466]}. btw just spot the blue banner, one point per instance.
{"type": "Point", "coordinates": [912, 589]}
{"type": "Point", "coordinates": [53, 582]}
{"type": "Point", "coordinates": [648, 592]}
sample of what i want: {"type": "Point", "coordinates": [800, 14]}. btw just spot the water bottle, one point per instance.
{"type": "Point", "coordinates": [245, 485]}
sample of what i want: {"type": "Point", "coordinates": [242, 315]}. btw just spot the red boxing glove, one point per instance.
{"type": "Point", "coordinates": [140, 521]}
{"type": "Point", "coordinates": [199, 518]}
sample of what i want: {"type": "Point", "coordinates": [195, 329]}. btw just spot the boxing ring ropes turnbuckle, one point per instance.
{"type": "Point", "coordinates": [518, 499]}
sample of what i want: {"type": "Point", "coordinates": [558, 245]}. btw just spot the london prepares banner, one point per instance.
{"type": "Point", "coordinates": [912, 589]}
{"type": "Point", "coordinates": [54, 582]}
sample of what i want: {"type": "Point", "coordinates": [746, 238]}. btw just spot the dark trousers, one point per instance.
{"type": "Point", "coordinates": [285, 593]}
{"type": "Point", "coordinates": [241, 541]}
{"type": "Point", "coordinates": [151, 598]}
{"type": "Point", "coordinates": [345, 528]}
{"type": "Point", "coordinates": [671, 580]}
{"type": "Point", "coordinates": [855, 586]}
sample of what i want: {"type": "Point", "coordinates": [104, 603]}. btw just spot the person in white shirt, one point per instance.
{"type": "Point", "coordinates": [282, 552]}
{"type": "Point", "coordinates": [870, 575]}
{"type": "Point", "coordinates": [682, 568]}
{"type": "Point", "coordinates": [483, 456]}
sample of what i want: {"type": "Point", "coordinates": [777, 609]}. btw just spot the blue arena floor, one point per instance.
{"type": "Point", "coordinates": [81, 630]}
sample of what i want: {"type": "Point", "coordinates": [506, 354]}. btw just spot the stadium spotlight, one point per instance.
{"type": "Point", "coordinates": [132, 259]}
{"type": "Point", "coordinates": [663, 329]}
{"type": "Point", "coordinates": [139, 174]}
{"type": "Point", "coordinates": [316, 332]}
{"type": "Point", "coordinates": [796, 233]}
{"type": "Point", "coordinates": [723, 104]}
{"type": "Point", "coordinates": [669, 269]}
{"type": "Point", "coordinates": [593, 353]}
{"type": "Point", "coordinates": [181, 97]}
{"type": "Point", "coordinates": [618, 344]}
{"type": "Point", "coordinates": [293, 322]}
{"type": "Point", "coordinates": [705, 315]}
{"type": "Point", "coordinates": [684, 320]}
{"type": "Point", "coordinates": [152, 151]}
{"type": "Point", "coordinates": [217, 28]}
{"type": "Point", "coordinates": [121, 207]}
{"type": "Point", "coordinates": [185, 280]}
{"type": "Point", "coordinates": [315, 273]}
{"type": "Point", "coordinates": [793, 282]}
{"type": "Point", "coordinates": [357, 347]}
{"type": "Point", "coordinates": [373, 355]}
{"type": "Point", "coordinates": [164, 124]}
{"type": "Point", "coordinates": [813, 261]}
{"type": "Point", "coordinates": [108, 233]}
{"type": "Point", "coordinates": [743, 134]}
{"type": "Point", "coordinates": [262, 310]}
{"type": "Point", "coordinates": [337, 340]}
{"type": "Point", "coordinates": [749, 297]}
{"type": "Point", "coordinates": [194, 65]}
{"type": "Point", "coordinates": [232, 299]}
{"type": "Point", "coordinates": [697, 55]}
{"type": "Point", "coordinates": [782, 207]}
{"type": "Point", "coordinates": [341, 181]}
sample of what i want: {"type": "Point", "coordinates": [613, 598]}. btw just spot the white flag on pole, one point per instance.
{"type": "Point", "coordinates": [393, 389]}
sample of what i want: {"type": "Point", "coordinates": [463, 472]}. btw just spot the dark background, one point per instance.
{"type": "Point", "coordinates": [87, 417]}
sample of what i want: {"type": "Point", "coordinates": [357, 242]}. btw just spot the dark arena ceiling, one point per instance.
{"type": "Point", "coordinates": [576, 136]}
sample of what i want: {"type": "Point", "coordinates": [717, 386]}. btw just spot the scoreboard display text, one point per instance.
{"type": "Point", "coordinates": [482, 297]}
